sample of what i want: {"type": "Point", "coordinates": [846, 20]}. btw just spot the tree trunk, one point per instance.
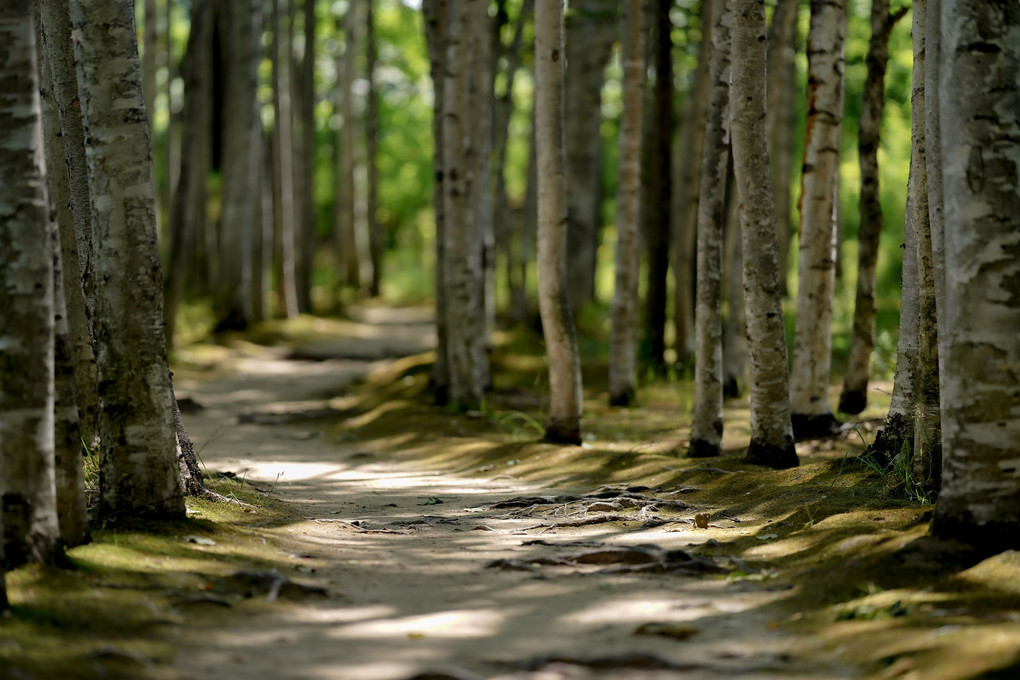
{"type": "Point", "coordinates": [346, 223]}
{"type": "Point", "coordinates": [854, 398]}
{"type": "Point", "coordinates": [375, 235]}
{"type": "Point", "coordinates": [707, 427]}
{"type": "Point", "coordinates": [979, 83]}
{"type": "Point", "coordinates": [734, 333]}
{"type": "Point", "coordinates": [812, 347]}
{"type": "Point", "coordinates": [771, 429]}
{"type": "Point", "coordinates": [623, 338]}
{"type": "Point", "coordinates": [283, 165]}
{"type": "Point", "coordinates": [655, 218]}
{"type": "Point", "coordinates": [304, 179]}
{"type": "Point", "coordinates": [463, 234]}
{"type": "Point", "coordinates": [27, 488]}
{"type": "Point", "coordinates": [590, 30]}
{"type": "Point", "coordinates": [76, 237]}
{"type": "Point", "coordinates": [436, 19]}
{"type": "Point", "coordinates": [188, 214]}
{"type": "Point", "coordinates": [557, 321]}
{"type": "Point", "coordinates": [686, 190]}
{"type": "Point", "coordinates": [781, 76]}
{"type": "Point", "coordinates": [138, 468]}
{"type": "Point", "coordinates": [927, 454]}
{"type": "Point", "coordinates": [67, 437]}
{"type": "Point", "coordinates": [232, 304]}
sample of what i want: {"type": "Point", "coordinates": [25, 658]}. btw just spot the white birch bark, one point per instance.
{"type": "Point", "coordinates": [771, 429]}
{"type": "Point", "coordinates": [927, 453]}
{"type": "Point", "coordinates": [565, 405]}
{"type": "Point", "coordinates": [76, 236]}
{"type": "Point", "coordinates": [346, 200]}
{"type": "Point", "coordinates": [854, 397]}
{"type": "Point", "coordinates": [812, 347]}
{"type": "Point", "coordinates": [67, 436]}
{"type": "Point", "coordinates": [27, 481]}
{"type": "Point", "coordinates": [707, 427]}
{"type": "Point", "coordinates": [686, 189]}
{"type": "Point", "coordinates": [623, 336]}
{"type": "Point", "coordinates": [734, 333]}
{"type": "Point", "coordinates": [138, 462]}
{"type": "Point", "coordinates": [375, 234]}
{"type": "Point", "coordinates": [979, 84]}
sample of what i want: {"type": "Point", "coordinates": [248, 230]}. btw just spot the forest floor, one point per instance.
{"type": "Point", "coordinates": [388, 539]}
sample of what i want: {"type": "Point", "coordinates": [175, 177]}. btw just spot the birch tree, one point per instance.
{"type": "Point", "coordinates": [283, 163]}
{"type": "Point", "coordinates": [591, 29]}
{"type": "Point", "coordinates": [67, 435]}
{"type": "Point", "coordinates": [27, 479]}
{"type": "Point", "coordinates": [686, 189]}
{"type": "Point", "coordinates": [771, 429]}
{"type": "Point", "coordinates": [812, 347]}
{"type": "Point", "coordinates": [565, 404]}
{"type": "Point", "coordinates": [232, 301]}
{"type": "Point", "coordinates": [346, 206]}
{"type": "Point", "coordinates": [979, 84]}
{"type": "Point", "coordinates": [623, 338]}
{"type": "Point", "coordinates": [463, 233]}
{"type": "Point", "coordinates": [138, 463]}
{"type": "Point", "coordinates": [654, 213]}
{"type": "Point", "coordinates": [436, 16]}
{"type": "Point", "coordinates": [854, 397]}
{"type": "Point", "coordinates": [707, 427]}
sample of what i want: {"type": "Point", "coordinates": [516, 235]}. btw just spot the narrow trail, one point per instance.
{"type": "Point", "coordinates": [423, 573]}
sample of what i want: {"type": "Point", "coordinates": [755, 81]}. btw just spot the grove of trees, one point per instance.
{"type": "Point", "coordinates": [515, 162]}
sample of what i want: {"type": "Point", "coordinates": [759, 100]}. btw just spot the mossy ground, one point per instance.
{"type": "Point", "coordinates": [854, 565]}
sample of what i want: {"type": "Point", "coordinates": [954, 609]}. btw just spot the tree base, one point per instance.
{"type": "Point", "coordinates": [699, 448]}
{"type": "Point", "coordinates": [625, 399]}
{"type": "Point", "coordinates": [562, 433]}
{"type": "Point", "coordinates": [814, 426]}
{"type": "Point", "coordinates": [777, 457]}
{"type": "Point", "coordinates": [853, 402]}
{"type": "Point", "coordinates": [732, 389]}
{"type": "Point", "coordinates": [895, 437]}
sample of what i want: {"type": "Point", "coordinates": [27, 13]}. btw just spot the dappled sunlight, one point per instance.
{"type": "Point", "coordinates": [462, 624]}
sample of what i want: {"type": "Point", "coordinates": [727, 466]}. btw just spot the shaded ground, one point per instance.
{"type": "Point", "coordinates": [413, 541]}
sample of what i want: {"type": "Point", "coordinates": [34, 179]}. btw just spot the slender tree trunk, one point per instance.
{"type": "Point", "coordinates": [734, 333]}
{"type": "Point", "coordinates": [304, 180]}
{"type": "Point", "coordinates": [525, 236]}
{"type": "Point", "coordinates": [504, 222]}
{"type": "Point", "coordinates": [463, 234]}
{"type": "Point", "coordinates": [854, 398]}
{"type": "Point", "coordinates": [188, 215]}
{"type": "Point", "coordinates": [67, 437]}
{"type": "Point", "coordinates": [436, 18]}
{"type": "Point", "coordinates": [557, 321]}
{"type": "Point", "coordinates": [927, 454]}
{"type": "Point", "coordinates": [623, 339]}
{"type": "Point", "coordinates": [375, 235]}
{"type": "Point", "coordinates": [346, 210]}
{"type": "Point", "coordinates": [771, 429]}
{"type": "Point", "coordinates": [707, 427]}
{"type": "Point", "coordinates": [76, 237]}
{"type": "Point", "coordinates": [812, 348]}
{"type": "Point", "coordinates": [138, 466]}
{"type": "Point", "coordinates": [232, 305]}
{"type": "Point", "coordinates": [782, 50]}
{"type": "Point", "coordinates": [283, 161]}
{"type": "Point", "coordinates": [655, 216]}
{"type": "Point", "coordinates": [27, 487]}
{"type": "Point", "coordinates": [979, 79]}
{"type": "Point", "coordinates": [262, 254]}
{"type": "Point", "coordinates": [686, 190]}
{"type": "Point", "coordinates": [590, 29]}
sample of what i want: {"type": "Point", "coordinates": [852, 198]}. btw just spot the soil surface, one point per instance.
{"type": "Point", "coordinates": [431, 570]}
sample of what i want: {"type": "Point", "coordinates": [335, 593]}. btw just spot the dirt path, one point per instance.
{"type": "Point", "coordinates": [424, 574]}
